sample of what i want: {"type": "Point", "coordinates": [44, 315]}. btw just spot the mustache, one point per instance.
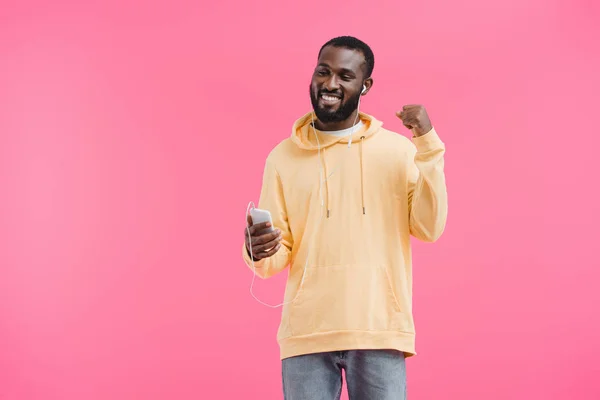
{"type": "Point", "coordinates": [332, 92]}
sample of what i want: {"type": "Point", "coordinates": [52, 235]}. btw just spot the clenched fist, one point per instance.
{"type": "Point", "coordinates": [415, 118]}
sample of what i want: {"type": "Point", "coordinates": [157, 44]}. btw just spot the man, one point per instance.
{"type": "Point", "coordinates": [345, 196]}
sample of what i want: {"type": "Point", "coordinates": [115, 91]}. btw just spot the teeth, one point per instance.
{"type": "Point", "coordinates": [330, 98]}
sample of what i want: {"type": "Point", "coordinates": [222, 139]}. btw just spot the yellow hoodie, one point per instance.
{"type": "Point", "coordinates": [347, 238]}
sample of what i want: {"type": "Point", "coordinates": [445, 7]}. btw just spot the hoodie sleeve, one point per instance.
{"type": "Point", "coordinates": [427, 196]}
{"type": "Point", "coordinates": [271, 199]}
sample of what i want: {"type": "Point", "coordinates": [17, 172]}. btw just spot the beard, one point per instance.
{"type": "Point", "coordinates": [343, 112]}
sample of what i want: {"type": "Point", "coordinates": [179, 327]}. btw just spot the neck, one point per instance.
{"type": "Point", "coordinates": [338, 125]}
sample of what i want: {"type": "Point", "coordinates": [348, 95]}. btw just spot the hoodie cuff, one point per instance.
{"type": "Point", "coordinates": [428, 141]}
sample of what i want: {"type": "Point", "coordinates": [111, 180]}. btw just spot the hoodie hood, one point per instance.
{"type": "Point", "coordinates": [303, 134]}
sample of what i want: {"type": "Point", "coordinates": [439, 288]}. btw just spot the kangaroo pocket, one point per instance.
{"type": "Point", "coordinates": [346, 298]}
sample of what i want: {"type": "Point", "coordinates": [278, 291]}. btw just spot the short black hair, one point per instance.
{"type": "Point", "coordinates": [352, 43]}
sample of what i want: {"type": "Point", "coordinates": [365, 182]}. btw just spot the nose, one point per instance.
{"type": "Point", "coordinates": [332, 84]}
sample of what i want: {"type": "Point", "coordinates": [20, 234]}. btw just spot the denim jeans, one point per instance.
{"type": "Point", "coordinates": [370, 375]}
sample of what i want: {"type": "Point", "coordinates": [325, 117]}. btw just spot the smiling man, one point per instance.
{"type": "Point", "coordinates": [345, 196]}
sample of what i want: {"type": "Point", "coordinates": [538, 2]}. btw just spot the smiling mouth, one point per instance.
{"type": "Point", "coordinates": [329, 100]}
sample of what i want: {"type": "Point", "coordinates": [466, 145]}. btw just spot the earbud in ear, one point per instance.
{"type": "Point", "coordinates": [364, 89]}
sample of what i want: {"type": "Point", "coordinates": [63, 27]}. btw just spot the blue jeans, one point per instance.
{"type": "Point", "coordinates": [370, 375]}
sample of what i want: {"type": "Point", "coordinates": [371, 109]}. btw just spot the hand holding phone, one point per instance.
{"type": "Point", "coordinates": [262, 239]}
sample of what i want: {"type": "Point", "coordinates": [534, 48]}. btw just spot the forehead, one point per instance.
{"type": "Point", "coordinates": [341, 58]}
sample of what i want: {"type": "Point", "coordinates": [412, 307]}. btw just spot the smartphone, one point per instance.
{"type": "Point", "coordinates": [259, 216]}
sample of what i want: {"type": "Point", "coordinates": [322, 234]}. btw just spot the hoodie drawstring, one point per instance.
{"type": "Point", "coordinates": [302, 136]}
{"type": "Point", "coordinates": [326, 180]}
{"type": "Point", "coordinates": [362, 178]}
{"type": "Point", "coordinates": [362, 175]}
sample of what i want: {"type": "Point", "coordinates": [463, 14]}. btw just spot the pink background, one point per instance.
{"type": "Point", "coordinates": [133, 135]}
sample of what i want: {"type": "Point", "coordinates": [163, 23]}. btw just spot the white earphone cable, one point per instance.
{"type": "Point", "coordinates": [322, 180]}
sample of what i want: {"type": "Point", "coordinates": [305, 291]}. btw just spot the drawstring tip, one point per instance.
{"type": "Point", "coordinates": [364, 211]}
{"type": "Point", "coordinates": [327, 213]}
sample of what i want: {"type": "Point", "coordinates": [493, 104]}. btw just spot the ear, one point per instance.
{"type": "Point", "coordinates": [368, 84]}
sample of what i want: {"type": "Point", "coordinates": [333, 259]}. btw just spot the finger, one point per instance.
{"type": "Point", "coordinates": [408, 113]}
{"type": "Point", "coordinates": [269, 253]}
{"type": "Point", "coordinates": [249, 220]}
{"type": "Point", "coordinates": [407, 119]}
{"type": "Point", "coordinates": [410, 116]}
{"type": "Point", "coordinates": [262, 239]}
{"type": "Point", "coordinates": [410, 121]}
{"type": "Point", "coordinates": [269, 245]}
{"type": "Point", "coordinates": [259, 227]}
{"type": "Point", "coordinates": [404, 117]}
{"type": "Point", "coordinates": [266, 244]}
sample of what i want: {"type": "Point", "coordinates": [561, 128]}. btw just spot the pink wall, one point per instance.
{"type": "Point", "coordinates": [132, 137]}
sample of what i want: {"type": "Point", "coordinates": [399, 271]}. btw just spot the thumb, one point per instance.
{"type": "Point", "coordinates": [249, 220]}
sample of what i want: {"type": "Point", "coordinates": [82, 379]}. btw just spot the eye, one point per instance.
{"type": "Point", "coordinates": [347, 77]}
{"type": "Point", "coordinates": [322, 72]}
